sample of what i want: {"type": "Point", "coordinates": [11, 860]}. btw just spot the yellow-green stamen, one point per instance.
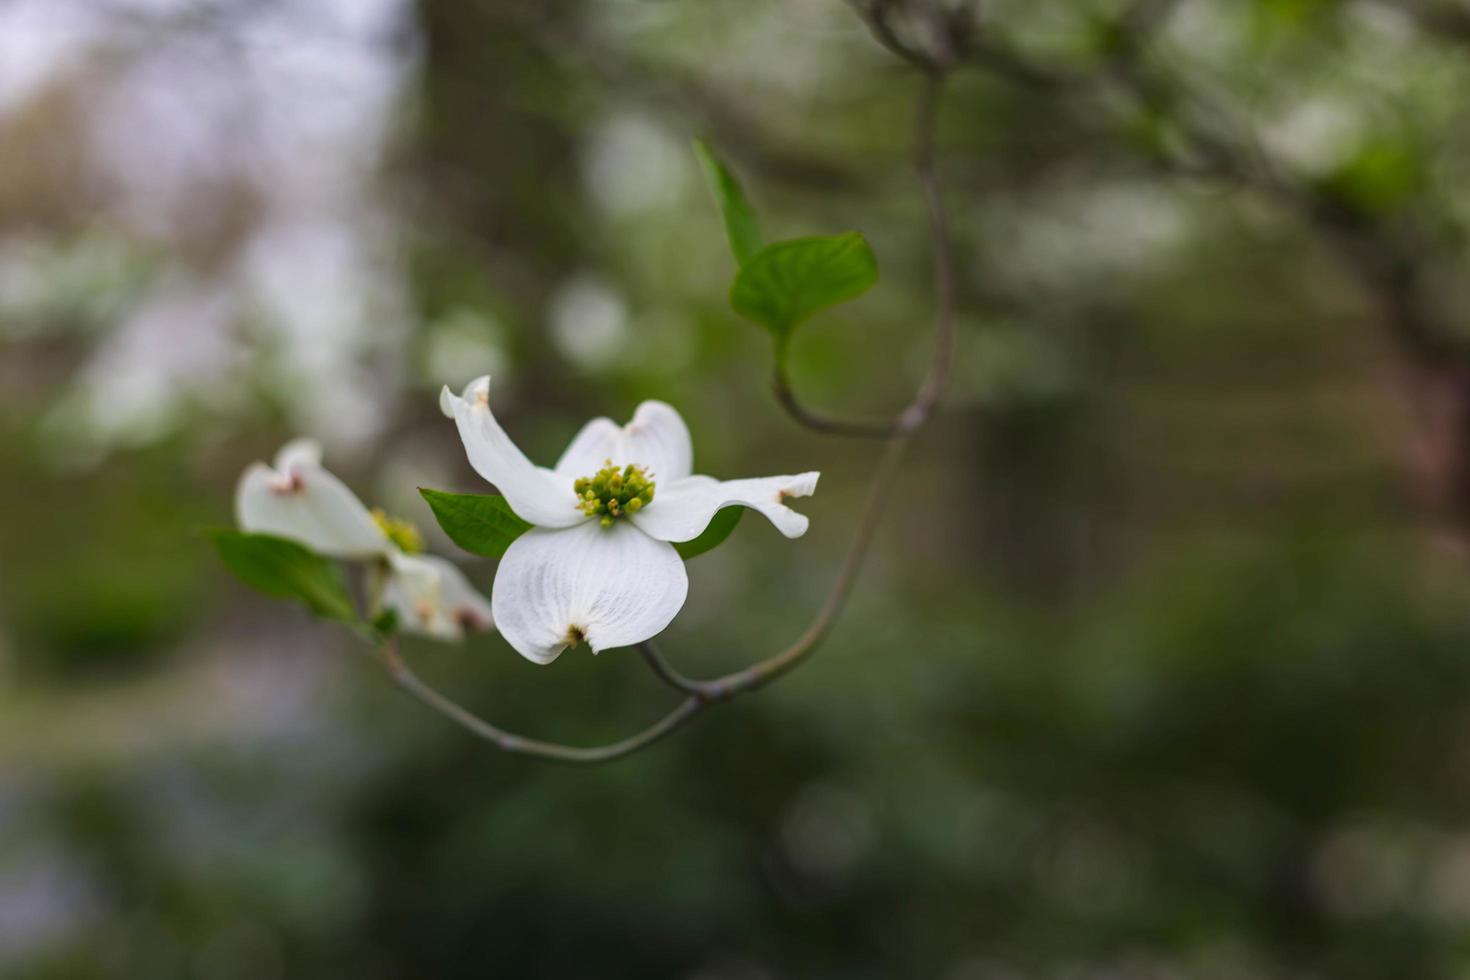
{"type": "Point", "coordinates": [611, 493]}
{"type": "Point", "coordinates": [400, 532]}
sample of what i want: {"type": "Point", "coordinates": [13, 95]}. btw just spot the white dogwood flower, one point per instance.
{"type": "Point", "coordinates": [598, 566]}
{"type": "Point", "coordinates": [298, 499]}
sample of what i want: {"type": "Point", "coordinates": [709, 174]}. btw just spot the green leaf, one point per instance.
{"type": "Point", "coordinates": [788, 282]}
{"type": "Point", "coordinates": [741, 227]}
{"type": "Point", "coordinates": [713, 536]}
{"type": "Point", "coordinates": [287, 570]}
{"type": "Point", "coordinates": [385, 624]}
{"type": "Point", "coordinates": [482, 524]}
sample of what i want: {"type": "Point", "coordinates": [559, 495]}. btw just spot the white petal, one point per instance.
{"type": "Point", "coordinates": [600, 440]}
{"type": "Point", "coordinates": [656, 439]}
{"type": "Point", "coordinates": [682, 510]}
{"type": "Point", "coordinates": [462, 601]}
{"type": "Point", "coordinates": [299, 452]}
{"type": "Point", "coordinates": [611, 586]}
{"type": "Point", "coordinates": [305, 503]}
{"type": "Point", "coordinates": [433, 598]}
{"type": "Point", "coordinates": [412, 591]}
{"type": "Point", "coordinates": [536, 495]}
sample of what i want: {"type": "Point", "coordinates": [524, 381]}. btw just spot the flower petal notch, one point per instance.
{"type": "Point", "coordinates": [686, 508]}
{"type": "Point", "coordinates": [607, 587]}
{"type": "Point", "coordinates": [299, 500]}
{"type": "Point", "coordinates": [599, 564]}
{"type": "Point", "coordinates": [536, 495]}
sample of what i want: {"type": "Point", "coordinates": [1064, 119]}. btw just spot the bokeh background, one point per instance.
{"type": "Point", "coordinates": [1161, 666]}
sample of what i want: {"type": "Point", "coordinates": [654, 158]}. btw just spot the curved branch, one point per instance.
{"type": "Point", "coordinates": [670, 674]}
{"type": "Point", "coordinates": [763, 672]}
{"type": "Point", "coordinates": [918, 411]}
{"type": "Point", "coordinates": [932, 387]}
{"type": "Point", "coordinates": [826, 424]}
{"type": "Point", "coordinates": [405, 678]}
{"type": "Point", "coordinates": [876, 14]}
{"type": "Point", "coordinates": [904, 426]}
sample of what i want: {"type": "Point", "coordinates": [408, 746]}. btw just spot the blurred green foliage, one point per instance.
{"type": "Point", "coordinates": [1159, 669]}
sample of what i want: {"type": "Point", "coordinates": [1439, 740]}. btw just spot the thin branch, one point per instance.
{"type": "Point", "coordinates": [670, 674]}
{"type": "Point", "coordinates": [876, 14]}
{"type": "Point", "coordinates": [404, 677]}
{"type": "Point", "coordinates": [759, 674]}
{"type": "Point", "coordinates": [826, 424]}
{"type": "Point", "coordinates": [926, 399]}
{"type": "Point", "coordinates": [939, 245]}
{"type": "Point", "coordinates": [908, 422]}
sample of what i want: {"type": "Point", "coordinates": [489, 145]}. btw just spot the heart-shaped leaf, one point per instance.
{"type": "Point", "coordinates": [786, 283]}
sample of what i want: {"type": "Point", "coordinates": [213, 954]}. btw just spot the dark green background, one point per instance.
{"type": "Point", "coordinates": [1160, 667]}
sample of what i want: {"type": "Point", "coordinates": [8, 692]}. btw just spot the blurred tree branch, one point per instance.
{"type": "Point", "coordinates": [1381, 246]}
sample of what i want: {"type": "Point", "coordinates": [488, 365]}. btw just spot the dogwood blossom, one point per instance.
{"type": "Point", "coordinates": [598, 565]}
{"type": "Point", "coordinates": [298, 499]}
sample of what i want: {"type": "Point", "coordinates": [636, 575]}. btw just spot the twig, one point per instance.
{"type": "Point", "coordinates": [404, 677]}
{"type": "Point", "coordinates": [926, 399]}
{"type": "Point", "coordinates": [876, 14]}
{"type": "Point", "coordinates": [671, 676]}
{"type": "Point", "coordinates": [763, 672]}
{"type": "Point", "coordinates": [826, 424]}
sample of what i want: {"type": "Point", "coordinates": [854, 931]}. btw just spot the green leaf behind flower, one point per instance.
{"type": "Point", "coordinates": [282, 568]}
{"type": "Point", "coordinates": [713, 536]}
{"type": "Point", "coordinates": [482, 524]}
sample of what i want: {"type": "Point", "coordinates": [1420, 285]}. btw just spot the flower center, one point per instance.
{"type": "Point", "coordinates": [400, 532]}
{"type": "Point", "coordinates": [611, 493]}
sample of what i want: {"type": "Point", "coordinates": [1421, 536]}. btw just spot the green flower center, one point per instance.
{"type": "Point", "coordinates": [611, 493]}
{"type": "Point", "coordinates": [400, 532]}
